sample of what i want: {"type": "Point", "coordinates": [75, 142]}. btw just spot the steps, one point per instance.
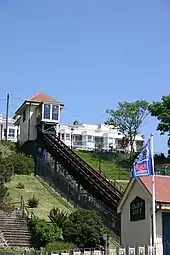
{"type": "Point", "coordinates": [14, 229]}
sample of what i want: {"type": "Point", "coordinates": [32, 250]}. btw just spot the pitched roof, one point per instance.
{"type": "Point", "coordinates": [40, 97]}
{"type": "Point", "coordinates": [162, 187]}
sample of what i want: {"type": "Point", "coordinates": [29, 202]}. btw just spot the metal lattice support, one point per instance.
{"type": "Point", "coordinates": [3, 242]}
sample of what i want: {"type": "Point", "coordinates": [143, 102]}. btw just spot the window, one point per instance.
{"type": "Point", "coordinates": [67, 136]}
{"type": "Point", "coordinates": [4, 132]}
{"type": "Point", "coordinates": [62, 136]}
{"type": "Point", "coordinates": [90, 138]}
{"type": "Point", "coordinates": [47, 108]}
{"type": "Point", "coordinates": [24, 116]}
{"type": "Point", "coordinates": [54, 112]}
{"type": "Point", "coordinates": [11, 132]}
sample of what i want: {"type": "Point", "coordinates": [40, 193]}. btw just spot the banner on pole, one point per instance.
{"type": "Point", "coordinates": [142, 166]}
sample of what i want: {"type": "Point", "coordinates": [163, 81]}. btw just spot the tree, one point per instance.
{"type": "Point", "coordinates": [84, 228]}
{"type": "Point", "coordinates": [128, 118]}
{"type": "Point", "coordinates": [76, 123]}
{"type": "Point", "coordinates": [161, 110]}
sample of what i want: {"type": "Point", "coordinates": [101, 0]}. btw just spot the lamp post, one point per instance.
{"type": "Point", "coordinates": [98, 149]}
{"type": "Point", "coordinates": [72, 130]}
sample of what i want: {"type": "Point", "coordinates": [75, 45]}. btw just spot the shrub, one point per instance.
{"type": "Point", "coordinates": [85, 229]}
{"type": "Point", "coordinates": [21, 163]}
{"type": "Point", "coordinates": [3, 192]}
{"type": "Point", "coordinates": [7, 169]}
{"type": "Point", "coordinates": [33, 202]}
{"type": "Point", "coordinates": [58, 216]}
{"type": "Point", "coordinates": [43, 232]}
{"type": "Point", "coordinates": [20, 185]}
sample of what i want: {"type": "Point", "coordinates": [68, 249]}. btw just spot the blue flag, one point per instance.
{"type": "Point", "coordinates": [142, 166]}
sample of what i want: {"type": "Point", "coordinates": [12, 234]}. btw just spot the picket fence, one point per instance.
{"type": "Point", "coordinates": [138, 250]}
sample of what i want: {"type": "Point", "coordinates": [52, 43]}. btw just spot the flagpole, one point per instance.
{"type": "Point", "coordinates": [153, 199]}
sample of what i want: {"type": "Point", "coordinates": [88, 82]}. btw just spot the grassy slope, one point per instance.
{"type": "Point", "coordinates": [47, 197]}
{"type": "Point", "coordinates": [108, 167]}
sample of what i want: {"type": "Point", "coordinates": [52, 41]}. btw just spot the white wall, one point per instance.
{"type": "Point", "coordinates": [136, 232]}
{"type": "Point", "coordinates": [10, 127]}
{"type": "Point", "coordinates": [108, 134]}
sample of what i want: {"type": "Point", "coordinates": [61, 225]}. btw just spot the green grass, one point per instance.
{"type": "Point", "coordinates": [110, 169]}
{"type": "Point", "coordinates": [35, 186]}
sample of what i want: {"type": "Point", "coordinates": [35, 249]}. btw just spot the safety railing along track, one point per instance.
{"type": "Point", "coordinates": [89, 178]}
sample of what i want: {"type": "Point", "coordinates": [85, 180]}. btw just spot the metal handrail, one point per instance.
{"type": "Point", "coordinates": [109, 191]}
{"type": "Point", "coordinates": [98, 175]}
{"type": "Point", "coordinates": [86, 176]}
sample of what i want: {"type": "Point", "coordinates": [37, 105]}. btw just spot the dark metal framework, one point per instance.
{"type": "Point", "coordinates": [89, 178]}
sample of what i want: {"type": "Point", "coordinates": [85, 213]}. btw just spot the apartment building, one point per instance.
{"type": "Point", "coordinates": [82, 137]}
{"type": "Point", "coordinates": [12, 130]}
{"type": "Point", "coordinates": [99, 136]}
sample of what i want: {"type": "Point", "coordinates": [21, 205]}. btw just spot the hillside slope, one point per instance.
{"type": "Point", "coordinates": [35, 186]}
{"type": "Point", "coordinates": [109, 168]}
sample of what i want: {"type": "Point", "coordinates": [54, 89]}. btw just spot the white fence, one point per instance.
{"type": "Point", "coordinates": [138, 250]}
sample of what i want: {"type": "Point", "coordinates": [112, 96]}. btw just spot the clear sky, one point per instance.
{"type": "Point", "coordinates": [88, 54]}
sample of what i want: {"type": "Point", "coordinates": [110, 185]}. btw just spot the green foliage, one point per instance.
{"type": "Point", "coordinates": [84, 228]}
{"type": "Point", "coordinates": [20, 185]}
{"type": "Point", "coordinates": [59, 246]}
{"type": "Point", "coordinates": [33, 202]}
{"type": "Point", "coordinates": [58, 216]}
{"type": "Point", "coordinates": [128, 118]}
{"type": "Point", "coordinates": [76, 123]}
{"type": "Point", "coordinates": [43, 232]}
{"type": "Point", "coordinates": [161, 110]}
{"type": "Point", "coordinates": [22, 164]}
{"type": "Point", "coordinates": [7, 169]}
{"type": "Point", "coordinates": [7, 148]}
{"type": "Point", "coordinates": [3, 191]}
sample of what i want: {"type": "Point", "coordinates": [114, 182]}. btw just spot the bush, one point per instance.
{"type": "Point", "coordinates": [33, 202]}
{"type": "Point", "coordinates": [3, 192]}
{"type": "Point", "coordinates": [7, 169]}
{"type": "Point", "coordinates": [20, 185]}
{"type": "Point", "coordinates": [43, 232]}
{"type": "Point", "coordinates": [85, 229]}
{"type": "Point", "coordinates": [21, 163]}
{"type": "Point", "coordinates": [58, 216]}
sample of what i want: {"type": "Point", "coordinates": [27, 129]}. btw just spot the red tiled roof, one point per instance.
{"type": "Point", "coordinates": [162, 187]}
{"type": "Point", "coordinates": [40, 97]}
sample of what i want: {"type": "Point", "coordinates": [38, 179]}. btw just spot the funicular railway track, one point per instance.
{"type": "Point", "coordinates": [89, 178]}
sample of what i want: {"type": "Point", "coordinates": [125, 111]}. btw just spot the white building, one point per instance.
{"type": "Point", "coordinates": [91, 137]}
{"type": "Point", "coordinates": [12, 129]}
{"type": "Point", "coordinates": [136, 213]}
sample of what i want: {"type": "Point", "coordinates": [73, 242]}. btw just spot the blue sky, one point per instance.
{"type": "Point", "coordinates": [88, 54]}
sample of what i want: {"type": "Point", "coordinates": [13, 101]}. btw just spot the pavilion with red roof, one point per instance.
{"type": "Point", "coordinates": [40, 111]}
{"type": "Point", "coordinates": [135, 210]}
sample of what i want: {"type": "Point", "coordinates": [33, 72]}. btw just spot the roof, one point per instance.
{"type": "Point", "coordinates": [38, 98]}
{"type": "Point", "coordinates": [162, 187]}
{"type": "Point", "coordinates": [41, 97]}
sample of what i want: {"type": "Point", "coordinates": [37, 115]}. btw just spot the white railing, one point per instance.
{"type": "Point", "coordinates": [138, 250]}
